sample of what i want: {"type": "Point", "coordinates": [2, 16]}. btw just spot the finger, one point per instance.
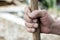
{"type": "Point", "coordinates": [37, 13]}
{"type": "Point", "coordinates": [31, 25]}
{"type": "Point", "coordinates": [43, 13]}
{"type": "Point", "coordinates": [34, 20]}
{"type": "Point", "coordinates": [27, 10]}
{"type": "Point", "coordinates": [31, 30]}
{"type": "Point", "coordinates": [44, 20]}
{"type": "Point", "coordinates": [27, 19]}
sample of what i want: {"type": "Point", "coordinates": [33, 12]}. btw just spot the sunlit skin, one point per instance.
{"type": "Point", "coordinates": [48, 25]}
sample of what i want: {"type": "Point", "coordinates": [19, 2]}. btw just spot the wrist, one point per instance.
{"type": "Point", "coordinates": [51, 28]}
{"type": "Point", "coordinates": [55, 28]}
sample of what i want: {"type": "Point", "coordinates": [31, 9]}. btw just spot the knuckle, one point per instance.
{"type": "Point", "coordinates": [26, 24]}
{"type": "Point", "coordinates": [25, 16]}
{"type": "Point", "coordinates": [36, 12]}
{"type": "Point", "coordinates": [44, 11]}
{"type": "Point", "coordinates": [35, 20]}
{"type": "Point", "coordinates": [27, 9]}
{"type": "Point", "coordinates": [27, 19]}
{"type": "Point", "coordinates": [29, 25]}
{"type": "Point", "coordinates": [30, 30]}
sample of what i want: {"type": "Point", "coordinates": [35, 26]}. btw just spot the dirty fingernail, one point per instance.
{"type": "Point", "coordinates": [36, 25]}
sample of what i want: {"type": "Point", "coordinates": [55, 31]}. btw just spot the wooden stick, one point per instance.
{"type": "Point", "coordinates": [34, 6]}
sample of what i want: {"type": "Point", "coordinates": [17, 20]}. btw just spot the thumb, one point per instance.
{"type": "Point", "coordinates": [34, 14]}
{"type": "Point", "coordinates": [38, 13]}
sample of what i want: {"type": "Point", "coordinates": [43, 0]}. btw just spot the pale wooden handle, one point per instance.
{"type": "Point", "coordinates": [34, 6]}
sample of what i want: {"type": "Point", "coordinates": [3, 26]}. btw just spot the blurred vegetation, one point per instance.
{"type": "Point", "coordinates": [48, 3]}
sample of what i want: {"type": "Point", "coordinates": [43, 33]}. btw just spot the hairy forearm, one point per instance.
{"type": "Point", "coordinates": [55, 28]}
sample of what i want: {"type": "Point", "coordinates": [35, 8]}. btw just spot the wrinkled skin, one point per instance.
{"type": "Point", "coordinates": [31, 20]}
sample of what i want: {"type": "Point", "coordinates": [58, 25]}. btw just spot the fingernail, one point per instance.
{"type": "Point", "coordinates": [33, 30]}
{"type": "Point", "coordinates": [36, 25]}
{"type": "Point", "coordinates": [31, 15]}
{"type": "Point", "coordinates": [35, 20]}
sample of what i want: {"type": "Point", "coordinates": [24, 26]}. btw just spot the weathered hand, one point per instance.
{"type": "Point", "coordinates": [31, 20]}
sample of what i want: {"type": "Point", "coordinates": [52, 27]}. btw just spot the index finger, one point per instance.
{"type": "Point", "coordinates": [27, 10]}
{"type": "Point", "coordinates": [38, 13]}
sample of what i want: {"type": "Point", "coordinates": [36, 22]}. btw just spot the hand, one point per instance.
{"type": "Point", "coordinates": [31, 20]}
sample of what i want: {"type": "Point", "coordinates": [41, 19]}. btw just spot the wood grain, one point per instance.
{"type": "Point", "coordinates": [34, 6]}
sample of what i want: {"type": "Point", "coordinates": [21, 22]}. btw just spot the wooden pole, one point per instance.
{"type": "Point", "coordinates": [34, 6]}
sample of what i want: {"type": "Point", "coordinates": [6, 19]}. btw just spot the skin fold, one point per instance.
{"type": "Point", "coordinates": [48, 25]}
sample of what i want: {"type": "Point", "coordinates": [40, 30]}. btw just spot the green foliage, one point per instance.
{"type": "Point", "coordinates": [45, 3]}
{"type": "Point", "coordinates": [48, 3]}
